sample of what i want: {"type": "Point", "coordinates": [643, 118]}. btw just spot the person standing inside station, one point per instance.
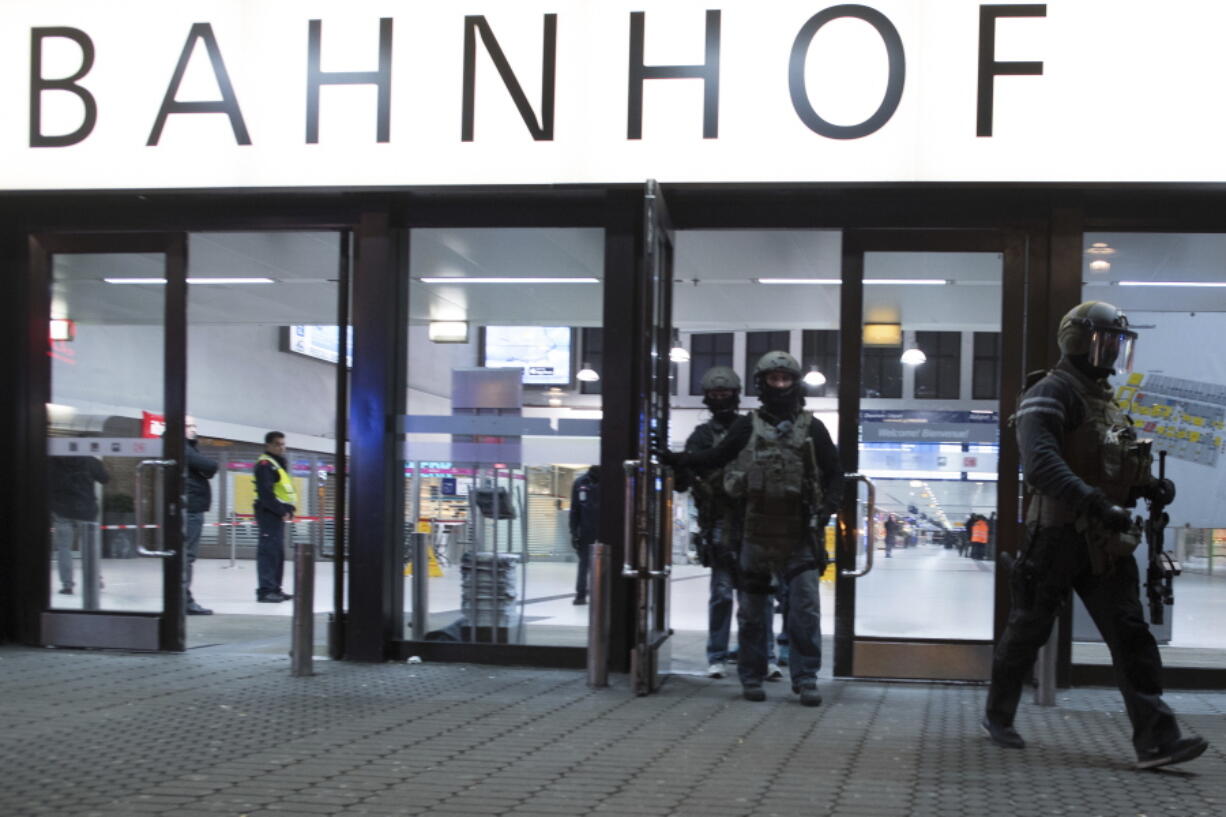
{"type": "Point", "coordinates": [1084, 467]}
{"type": "Point", "coordinates": [74, 508]}
{"type": "Point", "coordinates": [718, 527]}
{"type": "Point", "coordinates": [276, 501]}
{"type": "Point", "coordinates": [784, 472]}
{"type": "Point", "coordinates": [200, 469]}
{"type": "Point", "coordinates": [584, 526]}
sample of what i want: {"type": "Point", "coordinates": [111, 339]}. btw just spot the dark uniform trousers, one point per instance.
{"type": "Point", "coordinates": [269, 553]}
{"type": "Point", "coordinates": [1056, 561]}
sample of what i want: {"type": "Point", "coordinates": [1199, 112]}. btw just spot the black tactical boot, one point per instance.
{"type": "Point", "coordinates": [809, 696]}
{"type": "Point", "coordinates": [1178, 751]}
{"type": "Point", "coordinates": [1005, 736]}
{"type": "Point", "coordinates": [753, 692]}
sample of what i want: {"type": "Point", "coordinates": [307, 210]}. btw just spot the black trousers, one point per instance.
{"type": "Point", "coordinates": [269, 553]}
{"type": "Point", "coordinates": [585, 569]}
{"type": "Point", "coordinates": [1055, 561]}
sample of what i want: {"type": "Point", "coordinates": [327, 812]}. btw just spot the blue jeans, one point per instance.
{"type": "Point", "coordinates": [269, 554]}
{"type": "Point", "coordinates": [193, 526]}
{"type": "Point", "coordinates": [719, 618]}
{"type": "Point", "coordinates": [802, 624]}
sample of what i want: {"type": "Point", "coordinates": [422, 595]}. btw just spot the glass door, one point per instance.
{"type": "Point", "coordinates": [649, 490]}
{"type": "Point", "coordinates": [927, 329]}
{"type": "Point", "coordinates": [115, 437]}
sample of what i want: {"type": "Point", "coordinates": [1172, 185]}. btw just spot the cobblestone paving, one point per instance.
{"type": "Point", "coordinates": [208, 733]}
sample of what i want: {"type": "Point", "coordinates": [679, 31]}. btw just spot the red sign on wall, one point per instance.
{"type": "Point", "coordinates": [152, 425]}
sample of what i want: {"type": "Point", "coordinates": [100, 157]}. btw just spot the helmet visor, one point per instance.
{"type": "Point", "coordinates": [1112, 349]}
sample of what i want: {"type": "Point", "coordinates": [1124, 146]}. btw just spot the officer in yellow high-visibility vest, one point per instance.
{"type": "Point", "coordinates": [275, 503]}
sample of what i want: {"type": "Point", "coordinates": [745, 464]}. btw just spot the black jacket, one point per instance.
{"type": "Point", "coordinates": [265, 481]}
{"type": "Point", "coordinates": [72, 486]}
{"type": "Point", "coordinates": [200, 469]}
{"type": "Point", "coordinates": [1048, 410]}
{"type": "Point", "coordinates": [738, 435]}
{"type": "Point", "coordinates": [584, 510]}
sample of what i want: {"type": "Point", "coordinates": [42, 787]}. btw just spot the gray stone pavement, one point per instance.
{"type": "Point", "coordinates": [217, 732]}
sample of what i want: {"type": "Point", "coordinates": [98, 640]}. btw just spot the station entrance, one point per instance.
{"type": "Point", "coordinates": [461, 388]}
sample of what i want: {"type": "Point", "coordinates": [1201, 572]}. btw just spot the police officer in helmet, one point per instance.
{"type": "Point", "coordinates": [1084, 468]}
{"type": "Point", "coordinates": [719, 536]}
{"type": "Point", "coordinates": [782, 469]}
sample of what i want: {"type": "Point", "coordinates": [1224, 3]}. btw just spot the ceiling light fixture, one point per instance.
{"type": "Point", "coordinates": [448, 331]}
{"type": "Point", "coordinates": [1100, 248]}
{"type": "Point", "coordinates": [678, 353]}
{"type": "Point", "coordinates": [809, 281]}
{"type": "Point", "coordinates": [926, 282]}
{"type": "Point", "coordinates": [509, 280]}
{"type": "Point", "coordinates": [63, 329]}
{"type": "Point", "coordinates": [906, 282]}
{"type": "Point", "coordinates": [1100, 265]}
{"type": "Point", "coordinates": [587, 374]}
{"type": "Point", "coordinates": [1172, 283]}
{"type": "Point", "coordinates": [814, 378]}
{"type": "Point", "coordinates": [914, 356]}
{"type": "Point", "coordinates": [231, 281]}
{"type": "Point", "coordinates": [191, 280]}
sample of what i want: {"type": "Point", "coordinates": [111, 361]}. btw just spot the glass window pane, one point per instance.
{"type": "Point", "coordinates": [502, 432]}
{"type": "Point", "coordinates": [934, 466]}
{"type": "Point", "coordinates": [105, 417]}
{"type": "Point", "coordinates": [1169, 285]}
{"type": "Point", "coordinates": [262, 357]}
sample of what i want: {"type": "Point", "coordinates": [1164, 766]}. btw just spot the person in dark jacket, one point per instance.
{"type": "Point", "coordinates": [200, 469]}
{"type": "Point", "coordinates": [1085, 467]}
{"type": "Point", "coordinates": [584, 525]}
{"type": "Point", "coordinates": [74, 508]}
{"type": "Point", "coordinates": [276, 501]}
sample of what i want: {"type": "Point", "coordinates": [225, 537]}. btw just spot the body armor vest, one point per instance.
{"type": "Point", "coordinates": [1103, 451]}
{"type": "Point", "coordinates": [775, 476]}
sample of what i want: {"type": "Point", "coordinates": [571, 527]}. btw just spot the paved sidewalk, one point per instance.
{"type": "Point", "coordinates": [229, 733]}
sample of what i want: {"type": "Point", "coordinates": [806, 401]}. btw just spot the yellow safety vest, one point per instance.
{"type": "Point", "coordinates": [283, 489]}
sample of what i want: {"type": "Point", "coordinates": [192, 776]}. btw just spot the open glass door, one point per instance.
{"type": "Point", "coordinates": [936, 355]}
{"type": "Point", "coordinates": [115, 437]}
{"type": "Point", "coordinates": [649, 489]}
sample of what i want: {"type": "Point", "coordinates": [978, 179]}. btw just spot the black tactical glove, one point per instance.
{"type": "Point", "coordinates": [673, 459]}
{"type": "Point", "coordinates": [1113, 517]}
{"type": "Point", "coordinates": [1161, 491]}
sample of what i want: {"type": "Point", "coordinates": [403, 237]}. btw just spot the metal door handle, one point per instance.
{"type": "Point", "coordinates": [635, 532]}
{"type": "Point", "coordinates": [868, 534]}
{"type": "Point", "coordinates": [159, 516]}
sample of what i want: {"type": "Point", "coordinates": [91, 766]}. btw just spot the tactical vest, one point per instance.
{"type": "Point", "coordinates": [775, 475]}
{"type": "Point", "coordinates": [283, 489]}
{"type": "Point", "coordinates": [1103, 451]}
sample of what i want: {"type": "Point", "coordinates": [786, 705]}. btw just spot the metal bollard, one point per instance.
{"type": "Point", "coordinates": [89, 540]}
{"type": "Point", "coordinates": [1045, 669]}
{"type": "Point", "coordinates": [598, 618]}
{"type": "Point", "coordinates": [302, 648]}
{"type": "Point", "coordinates": [421, 572]}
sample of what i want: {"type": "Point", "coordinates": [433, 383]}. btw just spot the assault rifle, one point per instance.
{"type": "Point", "coordinates": [1162, 569]}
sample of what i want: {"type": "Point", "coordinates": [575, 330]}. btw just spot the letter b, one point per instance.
{"type": "Point", "coordinates": [38, 84]}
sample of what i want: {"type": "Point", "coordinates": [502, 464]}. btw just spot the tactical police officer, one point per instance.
{"type": "Point", "coordinates": [1084, 466]}
{"type": "Point", "coordinates": [719, 534]}
{"type": "Point", "coordinates": [783, 471]}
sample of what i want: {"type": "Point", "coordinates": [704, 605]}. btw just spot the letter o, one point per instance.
{"type": "Point", "coordinates": [894, 85]}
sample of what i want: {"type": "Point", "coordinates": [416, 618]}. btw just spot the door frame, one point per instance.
{"type": "Point", "coordinates": [164, 630]}
{"type": "Point", "coordinates": [971, 659]}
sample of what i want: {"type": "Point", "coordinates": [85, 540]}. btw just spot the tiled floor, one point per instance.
{"type": "Point", "coordinates": [230, 732]}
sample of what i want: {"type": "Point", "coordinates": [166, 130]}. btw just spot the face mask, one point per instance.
{"type": "Point", "coordinates": [729, 403]}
